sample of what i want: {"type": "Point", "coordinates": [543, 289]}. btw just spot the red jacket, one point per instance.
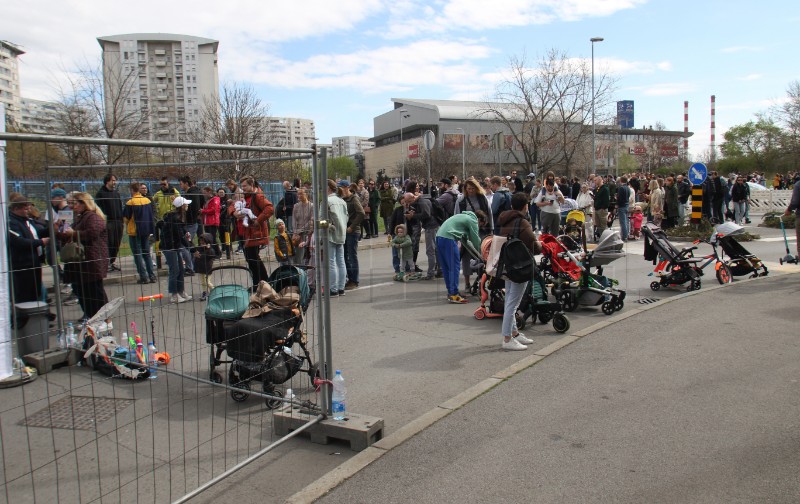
{"type": "Point", "coordinates": [257, 233]}
{"type": "Point", "coordinates": [211, 212]}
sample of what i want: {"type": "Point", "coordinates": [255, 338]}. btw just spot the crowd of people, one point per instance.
{"type": "Point", "coordinates": [192, 227]}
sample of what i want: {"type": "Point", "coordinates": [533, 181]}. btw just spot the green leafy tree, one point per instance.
{"type": "Point", "coordinates": [760, 140]}
{"type": "Point", "coordinates": [342, 167]}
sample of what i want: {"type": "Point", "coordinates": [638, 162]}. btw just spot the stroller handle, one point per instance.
{"type": "Point", "coordinates": [228, 266]}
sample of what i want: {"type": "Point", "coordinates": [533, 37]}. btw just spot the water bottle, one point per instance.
{"type": "Point", "coordinates": [61, 340]}
{"type": "Point", "coordinates": [339, 408]}
{"type": "Point", "coordinates": [72, 339]}
{"type": "Point", "coordinates": [152, 363]}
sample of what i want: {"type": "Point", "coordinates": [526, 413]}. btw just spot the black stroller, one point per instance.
{"type": "Point", "coordinates": [259, 338]}
{"type": "Point", "coordinates": [739, 260]}
{"type": "Point", "coordinates": [673, 266]}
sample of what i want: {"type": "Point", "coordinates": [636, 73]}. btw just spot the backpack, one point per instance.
{"type": "Point", "coordinates": [516, 261]}
{"type": "Point", "coordinates": [280, 209]}
{"type": "Point", "coordinates": [438, 212]}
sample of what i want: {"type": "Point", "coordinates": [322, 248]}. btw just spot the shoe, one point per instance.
{"type": "Point", "coordinates": [143, 281]}
{"type": "Point", "coordinates": [153, 279]}
{"type": "Point", "coordinates": [522, 339]}
{"type": "Point", "coordinates": [66, 290]}
{"type": "Point", "coordinates": [350, 286]}
{"type": "Point", "coordinates": [417, 269]}
{"type": "Point", "coordinates": [456, 299]}
{"type": "Point", "coordinates": [375, 236]}
{"type": "Point", "coordinates": [188, 272]}
{"type": "Point", "coordinates": [427, 277]}
{"type": "Point", "coordinates": [183, 297]}
{"type": "Point", "coordinates": [342, 293]}
{"type": "Point", "coordinates": [174, 299]}
{"type": "Point", "coordinates": [513, 344]}
{"type": "Point", "coordinates": [398, 277]}
{"type": "Point", "coordinates": [747, 221]}
{"type": "Point", "coordinates": [71, 300]}
{"type": "Point", "coordinates": [334, 293]}
{"type": "Point", "coordinates": [204, 296]}
{"type": "Point", "coordinates": [240, 251]}
{"type": "Point", "coordinates": [438, 274]}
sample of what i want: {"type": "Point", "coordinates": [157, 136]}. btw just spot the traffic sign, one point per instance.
{"type": "Point", "coordinates": [430, 139]}
{"type": "Point", "coordinates": [697, 173]}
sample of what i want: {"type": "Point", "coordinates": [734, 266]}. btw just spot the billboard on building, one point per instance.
{"type": "Point", "coordinates": [625, 114]}
{"type": "Point", "coordinates": [453, 140]}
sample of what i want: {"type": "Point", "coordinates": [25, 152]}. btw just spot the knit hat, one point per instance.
{"type": "Point", "coordinates": [279, 221]}
{"type": "Point", "coordinates": [58, 193]}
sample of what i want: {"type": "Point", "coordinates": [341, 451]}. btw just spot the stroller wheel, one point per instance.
{"type": "Point", "coordinates": [568, 301]}
{"type": "Point", "coordinates": [479, 314]}
{"type": "Point", "coordinates": [215, 377]}
{"type": "Point", "coordinates": [619, 304]}
{"type": "Point", "coordinates": [608, 307]}
{"type": "Point", "coordinates": [520, 321]}
{"type": "Point", "coordinates": [273, 403]}
{"type": "Point", "coordinates": [655, 286]}
{"type": "Point", "coordinates": [240, 396]}
{"type": "Point", "coordinates": [560, 323]}
{"type": "Point", "coordinates": [545, 316]}
{"type": "Point", "coordinates": [724, 275]}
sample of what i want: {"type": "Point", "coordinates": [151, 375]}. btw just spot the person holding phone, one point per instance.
{"type": "Point", "coordinates": [549, 202]}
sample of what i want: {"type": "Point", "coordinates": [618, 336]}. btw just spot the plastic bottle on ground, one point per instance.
{"type": "Point", "coordinates": [152, 363]}
{"type": "Point", "coordinates": [338, 406]}
{"type": "Point", "coordinates": [72, 339]}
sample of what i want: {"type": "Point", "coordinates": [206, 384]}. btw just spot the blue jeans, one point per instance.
{"type": "Point", "coordinates": [624, 223]}
{"type": "Point", "coordinates": [338, 272]}
{"type": "Point", "coordinates": [351, 256]}
{"type": "Point", "coordinates": [535, 213]}
{"type": "Point", "coordinates": [140, 248]}
{"type": "Point", "coordinates": [175, 268]}
{"type": "Point", "coordinates": [739, 210]}
{"type": "Point", "coordinates": [449, 261]}
{"type": "Point", "coordinates": [514, 293]}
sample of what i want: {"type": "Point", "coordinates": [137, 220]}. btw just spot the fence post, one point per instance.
{"type": "Point", "coordinates": [6, 357]}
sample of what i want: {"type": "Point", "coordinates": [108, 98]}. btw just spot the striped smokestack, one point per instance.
{"type": "Point", "coordinates": [713, 128]}
{"type": "Point", "coordinates": [686, 128]}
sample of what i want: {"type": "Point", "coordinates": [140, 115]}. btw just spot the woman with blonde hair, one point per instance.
{"type": "Point", "coordinates": [86, 276]}
{"type": "Point", "coordinates": [656, 202]}
{"type": "Point", "coordinates": [473, 199]}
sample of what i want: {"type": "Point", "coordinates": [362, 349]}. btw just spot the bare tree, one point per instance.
{"type": "Point", "coordinates": [236, 116]}
{"type": "Point", "coordinates": [102, 106]}
{"type": "Point", "coordinates": [546, 110]}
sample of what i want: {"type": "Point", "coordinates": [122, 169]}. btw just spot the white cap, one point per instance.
{"type": "Point", "coordinates": [180, 201]}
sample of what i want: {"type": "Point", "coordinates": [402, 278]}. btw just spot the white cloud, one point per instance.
{"type": "Point", "coordinates": [751, 77]}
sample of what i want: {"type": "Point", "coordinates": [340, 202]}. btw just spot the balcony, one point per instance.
{"type": "Point", "coordinates": [163, 120]}
{"type": "Point", "coordinates": [161, 75]}
{"type": "Point", "coordinates": [162, 97]}
{"type": "Point", "coordinates": [160, 52]}
{"type": "Point", "coordinates": [161, 63]}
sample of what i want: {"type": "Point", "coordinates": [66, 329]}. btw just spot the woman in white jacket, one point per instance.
{"type": "Point", "coordinates": [585, 201]}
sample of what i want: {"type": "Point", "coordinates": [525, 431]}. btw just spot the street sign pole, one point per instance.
{"type": "Point", "coordinates": [429, 139]}
{"type": "Point", "coordinates": [697, 175]}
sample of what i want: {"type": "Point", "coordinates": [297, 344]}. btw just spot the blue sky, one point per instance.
{"type": "Point", "coordinates": [341, 62]}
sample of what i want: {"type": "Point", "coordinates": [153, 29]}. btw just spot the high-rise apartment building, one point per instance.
{"type": "Point", "coordinates": [290, 132]}
{"type": "Point", "coordinates": [39, 116]}
{"type": "Point", "coordinates": [164, 79]}
{"type": "Point", "coordinates": [351, 145]}
{"type": "Point", "coordinates": [9, 80]}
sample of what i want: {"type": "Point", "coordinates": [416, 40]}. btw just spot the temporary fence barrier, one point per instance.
{"type": "Point", "coordinates": [71, 433]}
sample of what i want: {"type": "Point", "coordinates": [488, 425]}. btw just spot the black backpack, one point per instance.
{"type": "Point", "coordinates": [280, 209]}
{"type": "Point", "coordinates": [438, 212]}
{"type": "Point", "coordinates": [516, 261]}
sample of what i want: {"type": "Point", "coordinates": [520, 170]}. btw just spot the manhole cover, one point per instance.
{"type": "Point", "coordinates": [647, 300]}
{"type": "Point", "coordinates": [77, 412]}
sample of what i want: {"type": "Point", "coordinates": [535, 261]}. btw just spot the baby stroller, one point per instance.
{"type": "Point", "coordinates": [673, 266]}
{"type": "Point", "coordinates": [492, 295]}
{"type": "Point", "coordinates": [739, 260]}
{"type": "Point", "coordinates": [574, 227]}
{"type": "Point", "coordinates": [573, 283]}
{"type": "Point", "coordinates": [260, 341]}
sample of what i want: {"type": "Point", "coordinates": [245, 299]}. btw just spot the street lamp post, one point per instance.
{"type": "Point", "coordinates": [463, 154]}
{"type": "Point", "coordinates": [594, 152]}
{"type": "Point", "coordinates": [403, 115]}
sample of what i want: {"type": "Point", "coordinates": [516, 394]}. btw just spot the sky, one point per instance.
{"type": "Point", "coordinates": [341, 62]}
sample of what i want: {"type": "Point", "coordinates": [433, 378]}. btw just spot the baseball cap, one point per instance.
{"type": "Point", "coordinates": [344, 183]}
{"type": "Point", "coordinates": [180, 201]}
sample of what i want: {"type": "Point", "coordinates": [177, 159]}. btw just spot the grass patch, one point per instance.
{"type": "Point", "coordinates": [773, 220]}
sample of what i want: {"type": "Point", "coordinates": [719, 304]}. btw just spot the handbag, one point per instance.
{"type": "Point", "coordinates": [74, 251]}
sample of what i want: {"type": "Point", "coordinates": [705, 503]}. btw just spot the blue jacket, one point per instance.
{"type": "Point", "coordinates": [139, 216]}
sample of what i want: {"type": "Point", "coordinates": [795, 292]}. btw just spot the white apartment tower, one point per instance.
{"type": "Point", "coordinates": [9, 80]}
{"type": "Point", "coordinates": [351, 145]}
{"type": "Point", "coordinates": [165, 77]}
{"type": "Point", "coordinates": [290, 132]}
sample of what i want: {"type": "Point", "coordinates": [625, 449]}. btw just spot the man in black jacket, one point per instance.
{"type": "Point", "coordinates": [26, 243]}
{"type": "Point", "coordinates": [110, 202]}
{"type": "Point", "coordinates": [684, 191]}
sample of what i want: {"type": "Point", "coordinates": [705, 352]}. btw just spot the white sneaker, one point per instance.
{"type": "Point", "coordinates": [174, 299]}
{"type": "Point", "coordinates": [182, 298]}
{"type": "Point", "coordinates": [522, 339]}
{"type": "Point", "coordinates": [513, 344]}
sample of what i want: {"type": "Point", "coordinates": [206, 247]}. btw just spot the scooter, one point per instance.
{"type": "Point", "coordinates": [788, 258]}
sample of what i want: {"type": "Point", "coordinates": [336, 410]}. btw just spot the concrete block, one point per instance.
{"type": "Point", "coordinates": [51, 359]}
{"type": "Point", "coordinates": [360, 431]}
